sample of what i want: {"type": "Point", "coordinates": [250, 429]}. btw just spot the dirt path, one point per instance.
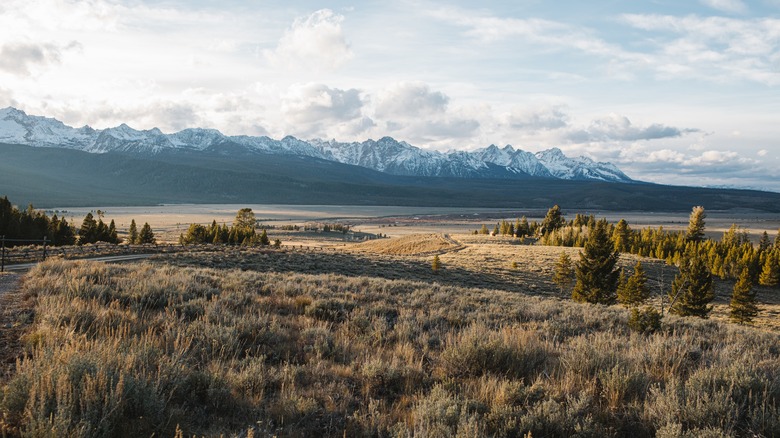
{"type": "Point", "coordinates": [16, 315]}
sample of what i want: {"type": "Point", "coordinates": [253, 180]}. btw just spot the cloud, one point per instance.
{"type": "Point", "coordinates": [726, 5]}
{"type": "Point", "coordinates": [712, 48]}
{"type": "Point", "coordinates": [541, 34]}
{"type": "Point", "coordinates": [311, 109]}
{"type": "Point", "coordinates": [537, 119]}
{"type": "Point", "coordinates": [619, 128]}
{"type": "Point", "coordinates": [414, 112]}
{"type": "Point", "coordinates": [22, 58]}
{"type": "Point", "coordinates": [314, 42]}
{"type": "Point", "coordinates": [410, 99]}
{"type": "Point", "coordinates": [762, 153]}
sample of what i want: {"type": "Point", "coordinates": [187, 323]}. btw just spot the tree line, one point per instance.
{"type": "Point", "coordinates": [33, 225]}
{"type": "Point", "coordinates": [242, 232]}
{"type": "Point", "coordinates": [598, 281]}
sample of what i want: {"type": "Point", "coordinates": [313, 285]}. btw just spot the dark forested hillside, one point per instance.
{"type": "Point", "coordinates": [62, 177]}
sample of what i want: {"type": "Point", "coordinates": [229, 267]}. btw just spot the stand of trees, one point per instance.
{"type": "Point", "coordinates": [242, 232]}
{"type": "Point", "coordinates": [725, 258]}
{"type": "Point", "coordinates": [34, 225]}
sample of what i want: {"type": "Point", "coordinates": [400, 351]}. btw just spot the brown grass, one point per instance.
{"type": "Point", "coordinates": [415, 244]}
{"type": "Point", "coordinates": [136, 350]}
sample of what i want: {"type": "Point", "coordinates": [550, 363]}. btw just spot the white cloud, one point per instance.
{"type": "Point", "coordinates": [24, 58]}
{"type": "Point", "coordinates": [312, 109]}
{"type": "Point", "coordinates": [713, 48]}
{"type": "Point", "coordinates": [540, 118]}
{"type": "Point", "coordinates": [410, 99]}
{"type": "Point", "coordinates": [619, 128]}
{"type": "Point", "coordinates": [314, 42]}
{"type": "Point", "coordinates": [762, 153]}
{"type": "Point", "coordinates": [726, 5]}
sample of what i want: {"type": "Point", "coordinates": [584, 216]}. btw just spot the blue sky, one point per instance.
{"type": "Point", "coordinates": [672, 92]}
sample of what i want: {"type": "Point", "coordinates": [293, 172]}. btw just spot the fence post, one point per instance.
{"type": "Point", "coordinates": [2, 258]}
{"type": "Point", "coordinates": [44, 248]}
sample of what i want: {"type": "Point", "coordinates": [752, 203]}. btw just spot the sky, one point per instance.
{"type": "Point", "coordinates": [672, 92]}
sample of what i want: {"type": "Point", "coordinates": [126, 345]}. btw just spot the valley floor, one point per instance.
{"type": "Point", "coordinates": [364, 339]}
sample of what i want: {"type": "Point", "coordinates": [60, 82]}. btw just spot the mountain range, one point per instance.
{"type": "Point", "coordinates": [49, 164]}
{"type": "Point", "coordinates": [385, 155]}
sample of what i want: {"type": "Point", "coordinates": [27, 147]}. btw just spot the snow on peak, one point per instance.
{"type": "Point", "coordinates": [386, 154]}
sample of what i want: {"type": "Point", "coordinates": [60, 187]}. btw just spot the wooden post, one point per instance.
{"type": "Point", "coordinates": [44, 248]}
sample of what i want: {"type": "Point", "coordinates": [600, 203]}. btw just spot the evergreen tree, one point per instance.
{"type": "Point", "coordinates": [621, 236]}
{"type": "Point", "coordinates": [691, 291]}
{"type": "Point", "coordinates": [112, 233]}
{"type": "Point", "coordinates": [695, 231]}
{"type": "Point", "coordinates": [495, 230]}
{"type": "Point", "coordinates": [553, 220]}
{"type": "Point", "coordinates": [435, 264]}
{"type": "Point", "coordinates": [777, 239]}
{"type": "Point", "coordinates": [563, 273]}
{"type": "Point", "coordinates": [484, 229]}
{"type": "Point", "coordinates": [146, 236]}
{"type": "Point", "coordinates": [764, 244]}
{"type": "Point", "coordinates": [132, 233]}
{"type": "Point", "coordinates": [264, 239]}
{"type": "Point", "coordinates": [743, 308]}
{"type": "Point", "coordinates": [88, 230]}
{"type": "Point", "coordinates": [596, 274]}
{"type": "Point", "coordinates": [634, 291]}
{"type": "Point", "coordinates": [245, 219]}
{"type": "Point", "coordinates": [102, 231]}
{"type": "Point", "coordinates": [523, 229]}
{"type": "Point", "coordinates": [770, 271]}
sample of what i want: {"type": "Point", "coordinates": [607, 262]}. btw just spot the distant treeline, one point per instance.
{"type": "Point", "coordinates": [33, 225]}
{"type": "Point", "coordinates": [725, 258]}
{"type": "Point", "coordinates": [242, 232]}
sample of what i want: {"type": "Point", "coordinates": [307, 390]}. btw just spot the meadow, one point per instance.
{"type": "Point", "coordinates": [241, 348]}
{"type": "Point", "coordinates": [325, 337]}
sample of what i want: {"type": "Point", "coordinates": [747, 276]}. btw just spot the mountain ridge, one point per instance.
{"type": "Point", "coordinates": [386, 155]}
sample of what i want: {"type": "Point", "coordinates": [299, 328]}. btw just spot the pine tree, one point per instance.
{"type": "Point", "coordinates": [770, 271]}
{"type": "Point", "coordinates": [435, 264]}
{"type": "Point", "coordinates": [634, 291]}
{"type": "Point", "coordinates": [102, 231]}
{"type": "Point", "coordinates": [264, 238]}
{"type": "Point", "coordinates": [764, 244]}
{"type": "Point", "coordinates": [112, 233]}
{"type": "Point", "coordinates": [691, 291]}
{"type": "Point", "coordinates": [777, 239]}
{"type": "Point", "coordinates": [621, 236]}
{"type": "Point", "coordinates": [132, 233]}
{"type": "Point", "coordinates": [245, 219]}
{"type": "Point", "coordinates": [743, 306]}
{"type": "Point", "coordinates": [523, 229]}
{"type": "Point", "coordinates": [695, 231]}
{"type": "Point", "coordinates": [553, 220]}
{"type": "Point", "coordinates": [596, 274]}
{"type": "Point", "coordinates": [88, 230]}
{"type": "Point", "coordinates": [495, 230]}
{"type": "Point", "coordinates": [484, 229]}
{"type": "Point", "coordinates": [563, 273]}
{"type": "Point", "coordinates": [146, 236]}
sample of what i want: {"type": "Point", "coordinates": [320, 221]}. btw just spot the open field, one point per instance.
{"type": "Point", "coordinates": [327, 337]}
{"type": "Point", "coordinates": [169, 221]}
{"type": "Point", "coordinates": [148, 349]}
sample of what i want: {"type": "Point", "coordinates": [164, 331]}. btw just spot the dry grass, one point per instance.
{"type": "Point", "coordinates": [416, 244]}
{"type": "Point", "coordinates": [136, 350]}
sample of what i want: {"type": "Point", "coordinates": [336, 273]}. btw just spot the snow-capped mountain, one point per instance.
{"type": "Point", "coordinates": [385, 155]}
{"type": "Point", "coordinates": [580, 168]}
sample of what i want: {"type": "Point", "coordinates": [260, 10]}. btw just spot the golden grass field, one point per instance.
{"type": "Point", "coordinates": [326, 337]}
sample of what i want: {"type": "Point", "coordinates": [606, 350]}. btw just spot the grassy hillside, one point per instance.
{"type": "Point", "coordinates": [143, 349]}
{"type": "Point", "coordinates": [50, 177]}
